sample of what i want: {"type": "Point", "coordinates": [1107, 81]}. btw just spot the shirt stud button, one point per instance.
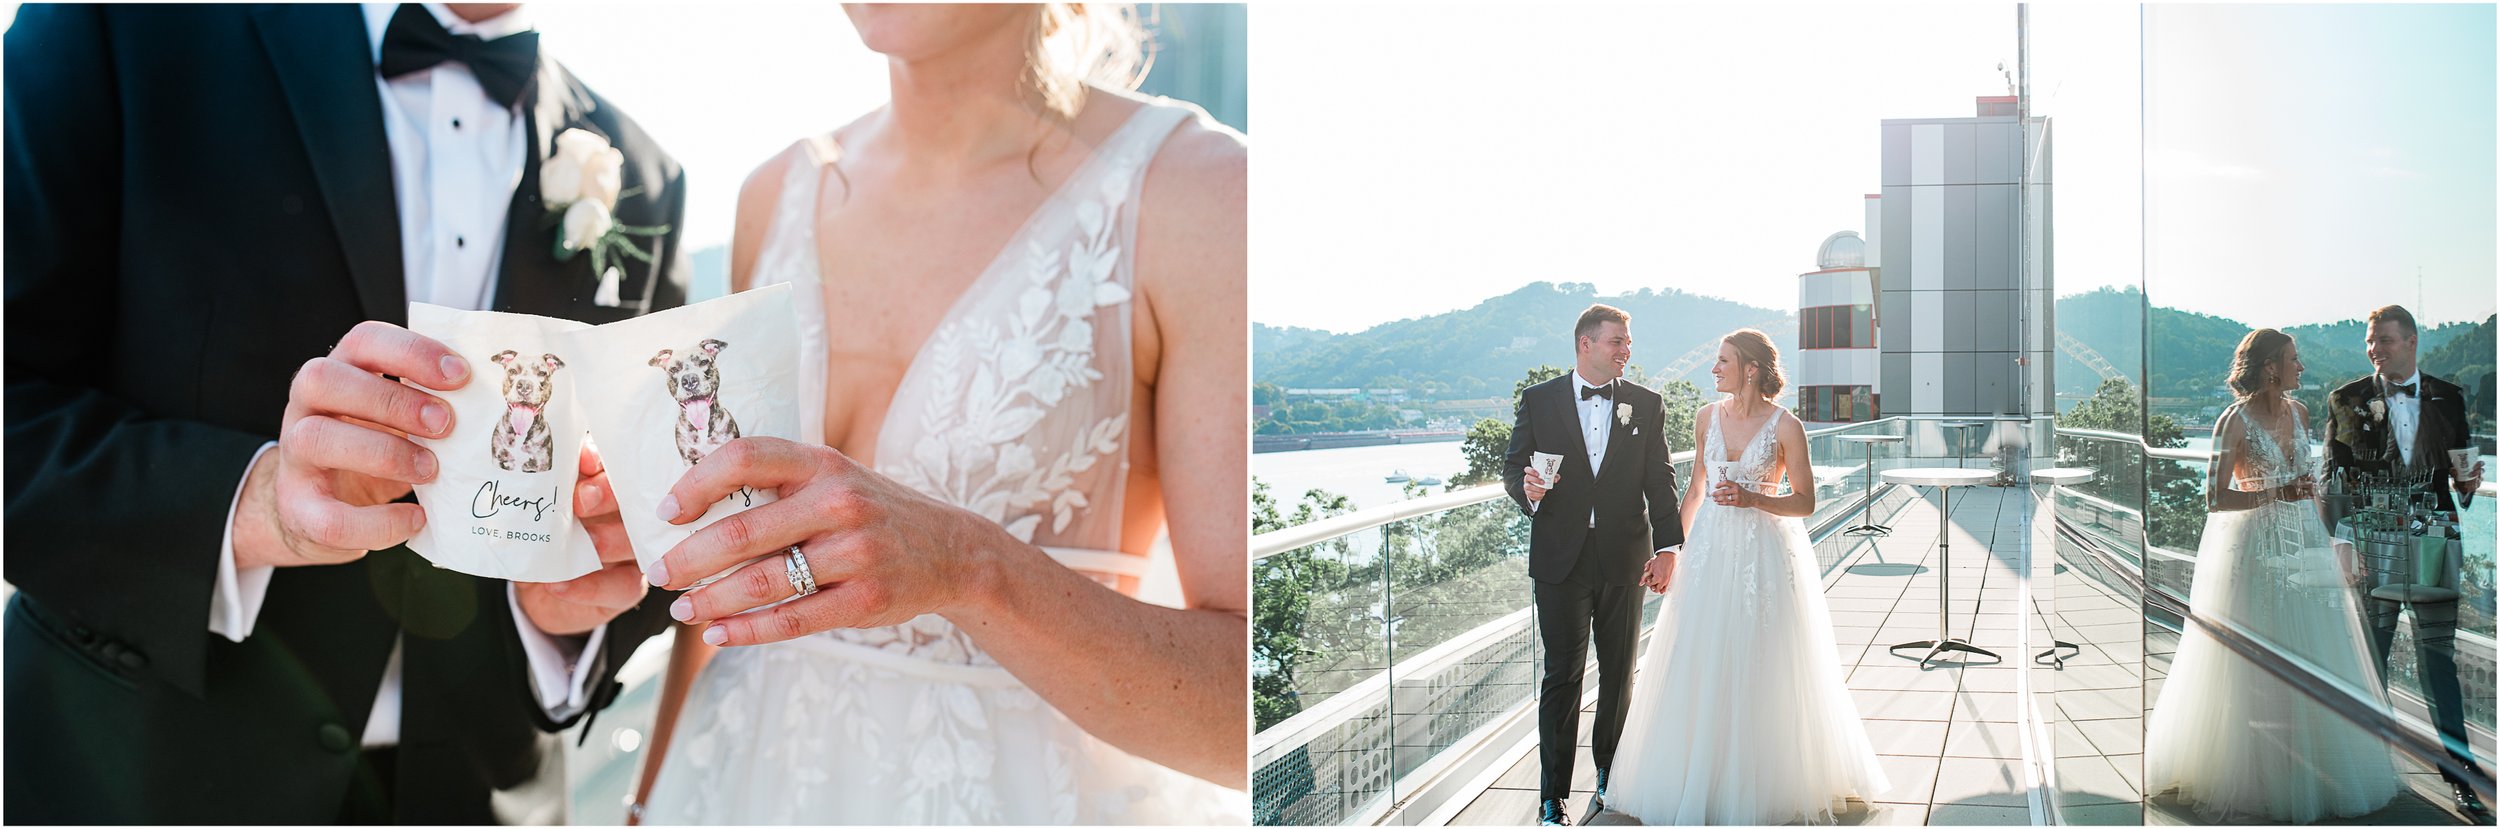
{"type": "Point", "coordinates": [334, 738]}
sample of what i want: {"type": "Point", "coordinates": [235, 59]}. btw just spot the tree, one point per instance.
{"type": "Point", "coordinates": [1682, 401]}
{"type": "Point", "coordinates": [1535, 375]}
{"type": "Point", "coordinates": [1487, 443]}
{"type": "Point", "coordinates": [2170, 497]}
{"type": "Point", "coordinates": [1284, 589]}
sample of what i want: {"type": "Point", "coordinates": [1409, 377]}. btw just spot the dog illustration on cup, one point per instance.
{"type": "Point", "coordinates": [522, 442]}
{"type": "Point", "coordinates": [694, 381]}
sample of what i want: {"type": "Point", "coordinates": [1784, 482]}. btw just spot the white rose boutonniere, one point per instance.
{"type": "Point", "coordinates": [2378, 409]}
{"type": "Point", "coordinates": [1623, 414]}
{"type": "Point", "coordinates": [581, 183]}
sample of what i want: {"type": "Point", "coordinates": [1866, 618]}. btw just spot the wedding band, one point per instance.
{"type": "Point", "coordinates": [802, 580]}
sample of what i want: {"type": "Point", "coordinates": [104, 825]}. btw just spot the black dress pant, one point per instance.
{"type": "Point", "coordinates": [2435, 664]}
{"type": "Point", "coordinates": [1566, 613]}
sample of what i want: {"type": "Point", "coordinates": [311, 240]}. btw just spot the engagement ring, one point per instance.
{"type": "Point", "coordinates": [802, 579]}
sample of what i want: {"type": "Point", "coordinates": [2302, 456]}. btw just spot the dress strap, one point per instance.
{"type": "Point", "coordinates": [1106, 562]}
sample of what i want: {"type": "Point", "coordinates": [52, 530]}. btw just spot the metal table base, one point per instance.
{"type": "Point", "coordinates": [1945, 642]}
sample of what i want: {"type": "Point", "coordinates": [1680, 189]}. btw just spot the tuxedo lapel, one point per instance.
{"type": "Point", "coordinates": [1619, 433]}
{"type": "Point", "coordinates": [531, 279]}
{"type": "Point", "coordinates": [2430, 425]}
{"type": "Point", "coordinates": [1567, 407]}
{"type": "Point", "coordinates": [323, 64]}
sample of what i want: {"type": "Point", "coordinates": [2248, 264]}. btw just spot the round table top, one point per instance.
{"type": "Point", "coordinates": [1871, 438]}
{"type": "Point", "coordinates": [1938, 476]}
{"type": "Point", "coordinates": [2062, 475]}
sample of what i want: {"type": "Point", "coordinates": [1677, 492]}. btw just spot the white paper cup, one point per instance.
{"type": "Point", "coordinates": [1548, 467]}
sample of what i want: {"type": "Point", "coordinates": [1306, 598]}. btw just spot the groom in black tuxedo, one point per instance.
{"type": "Point", "coordinates": [2400, 423]}
{"type": "Point", "coordinates": [1595, 526]}
{"type": "Point", "coordinates": [216, 216]}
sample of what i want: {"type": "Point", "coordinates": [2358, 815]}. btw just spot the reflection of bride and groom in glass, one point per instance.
{"type": "Point", "coordinates": [1743, 717]}
{"type": "Point", "coordinates": [2290, 558]}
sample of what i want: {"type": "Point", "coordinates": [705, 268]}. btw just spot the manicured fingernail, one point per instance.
{"type": "Point", "coordinates": [682, 610]}
{"type": "Point", "coordinates": [455, 368]}
{"type": "Point", "coordinates": [434, 416]}
{"type": "Point", "coordinates": [425, 465]}
{"type": "Point", "coordinates": [658, 574]}
{"type": "Point", "coordinates": [586, 497]}
{"type": "Point", "coordinates": [716, 636]}
{"type": "Point", "coordinates": [668, 508]}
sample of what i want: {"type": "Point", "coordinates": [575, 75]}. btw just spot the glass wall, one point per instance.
{"type": "Point", "coordinates": [2316, 309]}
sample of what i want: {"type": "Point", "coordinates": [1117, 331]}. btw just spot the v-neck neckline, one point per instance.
{"type": "Point", "coordinates": [1085, 171]}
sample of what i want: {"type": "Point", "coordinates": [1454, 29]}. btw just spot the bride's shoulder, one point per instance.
{"type": "Point", "coordinates": [1202, 166]}
{"type": "Point", "coordinates": [764, 183]}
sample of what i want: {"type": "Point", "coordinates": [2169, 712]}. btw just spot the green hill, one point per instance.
{"type": "Point", "coordinates": [2191, 352]}
{"type": "Point", "coordinates": [1484, 350]}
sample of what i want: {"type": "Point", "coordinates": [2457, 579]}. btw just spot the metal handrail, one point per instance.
{"type": "Point", "coordinates": [2332, 692]}
{"type": "Point", "coordinates": [1273, 542]}
{"type": "Point", "coordinates": [2488, 487]}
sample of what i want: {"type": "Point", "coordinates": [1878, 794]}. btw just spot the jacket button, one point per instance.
{"type": "Point", "coordinates": [133, 660]}
{"type": "Point", "coordinates": [334, 738]}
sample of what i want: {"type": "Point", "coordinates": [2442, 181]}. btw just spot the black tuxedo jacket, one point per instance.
{"type": "Point", "coordinates": [2362, 442]}
{"type": "Point", "coordinates": [1632, 494]}
{"type": "Point", "coordinates": [199, 199]}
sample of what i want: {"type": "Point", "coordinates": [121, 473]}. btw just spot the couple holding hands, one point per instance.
{"type": "Point", "coordinates": [1742, 716]}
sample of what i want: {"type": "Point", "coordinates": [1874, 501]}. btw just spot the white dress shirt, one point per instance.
{"type": "Point", "coordinates": [2404, 412]}
{"type": "Point", "coordinates": [1594, 415]}
{"type": "Point", "coordinates": [456, 157]}
{"type": "Point", "coordinates": [1593, 429]}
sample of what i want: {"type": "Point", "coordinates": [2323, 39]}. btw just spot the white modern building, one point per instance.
{"type": "Point", "coordinates": [1837, 363]}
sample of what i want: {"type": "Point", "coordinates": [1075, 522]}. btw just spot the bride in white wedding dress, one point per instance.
{"type": "Point", "coordinates": [1020, 299]}
{"type": "Point", "coordinates": [1740, 714]}
{"type": "Point", "coordinates": [2227, 738]}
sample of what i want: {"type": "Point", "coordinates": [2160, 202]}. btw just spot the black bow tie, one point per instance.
{"type": "Point", "coordinates": [415, 41]}
{"type": "Point", "coordinates": [2394, 389]}
{"type": "Point", "coordinates": [1606, 391]}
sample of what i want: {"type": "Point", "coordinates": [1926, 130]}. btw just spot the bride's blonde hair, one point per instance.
{"type": "Point", "coordinates": [1074, 44]}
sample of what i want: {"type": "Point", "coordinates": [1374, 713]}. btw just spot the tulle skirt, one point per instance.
{"type": "Point", "coordinates": [2233, 740]}
{"type": "Point", "coordinates": [1740, 714]}
{"type": "Point", "coordinates": [820, 731]}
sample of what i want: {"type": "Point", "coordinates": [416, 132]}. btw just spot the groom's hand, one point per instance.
{"type": "Point", "coordinates": [1534, 483]}
{"type": "Point", "coordinates": [1659, 573]}
{"type": "Point", "coordinates": [324, 495]}
{"type": "Point", "coordinates": [569, 608]}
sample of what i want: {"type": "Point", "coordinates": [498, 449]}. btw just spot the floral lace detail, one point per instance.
{"type": "Point", "coordinates": [2267, 458]}
{"type": "Point", "coordinates": [1017, 409]}
{"type": "Point", "coordinates": [1752, 464]}
{"type": "Point", "coordinates": [996, 377]}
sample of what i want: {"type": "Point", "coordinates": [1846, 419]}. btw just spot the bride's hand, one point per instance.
{"type": "Point", "coordinates": [1659, 573]}
{"type": "Point", "coordinates": [1728, 494]}
{"type": "Point", "coordinates": [881, 553]}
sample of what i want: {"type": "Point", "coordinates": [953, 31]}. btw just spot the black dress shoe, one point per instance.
{"type": "Point", "coordinates": [1601, 788]}
{"type": "Point", "coordinates": [2468, 802]}
{"type": "Point", "coordinates": [1551, 814]}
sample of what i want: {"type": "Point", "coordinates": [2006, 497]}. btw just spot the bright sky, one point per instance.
{"type": "Point", "coordinates": [2308, 161]}
{"type": "Point", "coordinates": [1712, 147]}
{"type": "Point", "coordinates": [721, 86]}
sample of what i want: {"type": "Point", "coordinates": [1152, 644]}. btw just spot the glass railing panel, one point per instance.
{"type": "Point", "coordinates": [1320, 654]}
{"type": "Point", "coordinates": [2228, 740]}
{"type": "Point", "coordinates": [1463, 639]}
